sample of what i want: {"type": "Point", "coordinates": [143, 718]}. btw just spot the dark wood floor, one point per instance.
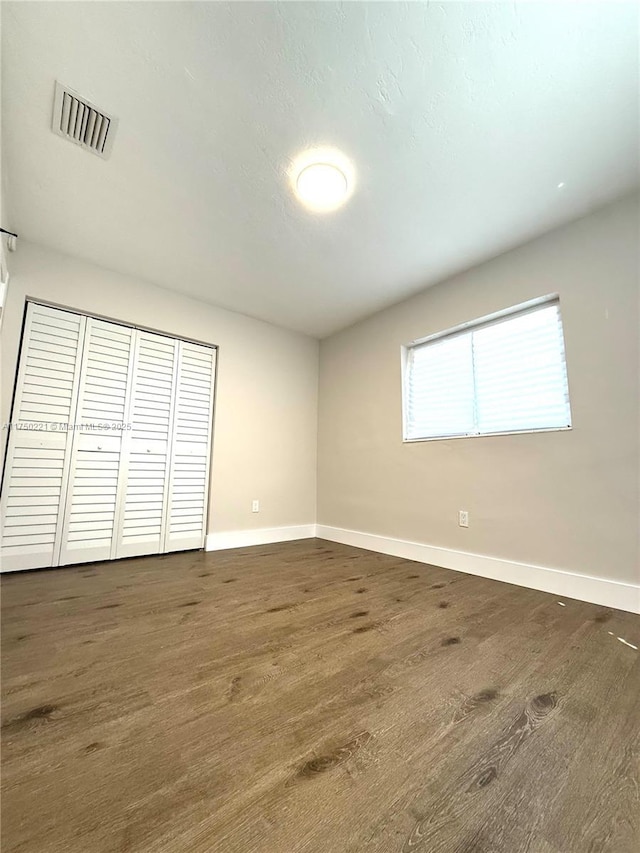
{"type": "Point", "coordinates": [312, 698]}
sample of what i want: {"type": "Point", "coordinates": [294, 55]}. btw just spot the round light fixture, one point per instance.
{"type": "Point", "coordinates": [321, 186]}
{"type": "Point", "coordinates": [322, 179]}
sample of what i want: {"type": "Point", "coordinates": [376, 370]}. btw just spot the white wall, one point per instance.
{"type": "Point", "coordinates": [564, 500]}
{"type": "Point", "coordinates": [265, 424]}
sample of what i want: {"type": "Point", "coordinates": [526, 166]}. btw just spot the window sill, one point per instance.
{"type": "Point", "coordinates": [485, 434]}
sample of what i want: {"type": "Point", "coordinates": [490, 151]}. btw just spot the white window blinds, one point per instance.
{"type": "Point", "coordinates": [505, 374]}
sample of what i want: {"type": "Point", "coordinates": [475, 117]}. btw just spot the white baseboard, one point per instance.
{"type": "Point", "coordinates": [608, 593]}
{"type": "Point", "coordinates": [261, 536]}
{"type": "Point", "coordinates": [622, 596]}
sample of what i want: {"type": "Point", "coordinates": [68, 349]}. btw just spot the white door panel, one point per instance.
{"type": "Point", "coordinates": [143, 498]}
{"type": "Point", "coordinates": [95, 473]}
{"type": "Point", "coordinates": [190, 450]}
{"type": "Point", "coordinates": [38, 452]}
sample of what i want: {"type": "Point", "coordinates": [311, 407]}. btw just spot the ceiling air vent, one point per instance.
{"type": "Point", "coordinates": [81, 122]}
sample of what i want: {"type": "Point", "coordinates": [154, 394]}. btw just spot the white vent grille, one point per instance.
{"type": "Point", "coordinates": [81, 122]}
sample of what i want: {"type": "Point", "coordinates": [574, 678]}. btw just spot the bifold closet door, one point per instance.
{"type": "Point", "coordinates": [109, 456]}
{"type": "Point", "coordinates": [95, 469]}
{"type": "Point", "coordinates": [38, 454]}
{"type": "Point", "coordinates": [190, 448]}
{"type": "Point", "coordinates": [146, 446]}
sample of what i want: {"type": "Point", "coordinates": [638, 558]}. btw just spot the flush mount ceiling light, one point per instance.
{"type": "Point", "coordinates": [322, 179]}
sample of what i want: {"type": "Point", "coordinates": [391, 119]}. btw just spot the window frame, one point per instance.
{"type": "Point", "coordinates": [464, 328]}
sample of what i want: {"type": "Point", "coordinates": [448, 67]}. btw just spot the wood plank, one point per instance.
{"type": "Point", "coordinates": [312, 697]}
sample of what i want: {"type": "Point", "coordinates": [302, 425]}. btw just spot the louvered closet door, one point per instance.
{"type": "Point", "coordinates": [143, 504]}
{"type": "Point", "coordinates": [190, 448]}
{"type": "Point", "coordinates": [90, 514]}
{"type": "Point", "coordinates": [39, 444]}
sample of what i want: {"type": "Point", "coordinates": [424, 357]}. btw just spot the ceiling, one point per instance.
{"type": "Point", "coordinates": [461, 120]}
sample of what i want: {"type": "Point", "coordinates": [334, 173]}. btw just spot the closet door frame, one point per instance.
{"type": "Point", "coordinates": [20, 369]}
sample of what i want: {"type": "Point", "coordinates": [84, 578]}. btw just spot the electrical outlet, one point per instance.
{"type": "Point", "coordinates": [255, 506]}
{"type": "Point", "coordinates": [463, 518]}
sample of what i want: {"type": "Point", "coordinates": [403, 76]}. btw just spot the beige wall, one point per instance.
{"type": "Point", "coordinates": [566, 500]}
{"type": "Point", "coordinates": [266, 401]}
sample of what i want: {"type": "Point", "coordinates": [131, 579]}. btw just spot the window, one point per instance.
{"type": "Point", "coordinates": [504, 373]}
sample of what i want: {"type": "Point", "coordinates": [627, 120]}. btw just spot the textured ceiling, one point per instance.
{"type": "Point", "coordinates": [461, 120]}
